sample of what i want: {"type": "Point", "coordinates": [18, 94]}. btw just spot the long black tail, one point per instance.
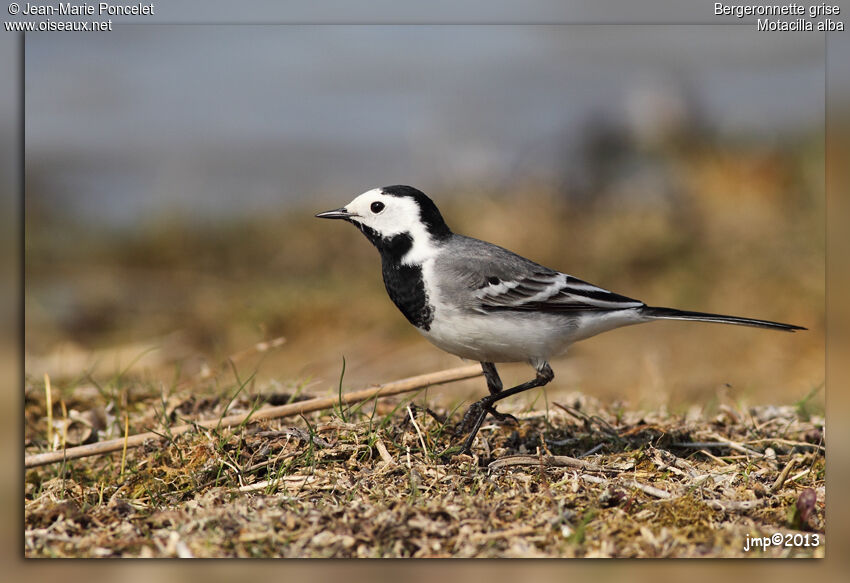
{"type": "Point", "coordinates": [672, 314]}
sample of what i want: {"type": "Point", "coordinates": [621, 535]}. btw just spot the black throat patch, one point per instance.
{"type": "Point", "coordinates": [404, 283]}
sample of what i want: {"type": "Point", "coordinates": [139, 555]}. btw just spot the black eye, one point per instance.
{"type": "Point", "coordinates": [493, 280]}
{"type": "Point", "coordinates": [377, 207]}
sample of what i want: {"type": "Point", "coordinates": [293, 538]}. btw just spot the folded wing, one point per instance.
{"type": "Point", "coordinates": [548, 291]}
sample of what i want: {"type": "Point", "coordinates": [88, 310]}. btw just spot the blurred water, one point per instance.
{"type": "Point", "coordinates": [209, 121]}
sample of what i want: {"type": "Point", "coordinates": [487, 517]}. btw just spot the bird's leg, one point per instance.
{"type": "Point", "coordinates": [494, 385]}
{"type": "Point", "coordinates": [478, 411]}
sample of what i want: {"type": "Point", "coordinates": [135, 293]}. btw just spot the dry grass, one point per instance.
{"type": "Point", "coordinates": [380, 480]}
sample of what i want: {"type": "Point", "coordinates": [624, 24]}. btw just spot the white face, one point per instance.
{"type": "Point", "coordinates": [390, 215]}
{"type": "Point", "coordinates": [386, 214]}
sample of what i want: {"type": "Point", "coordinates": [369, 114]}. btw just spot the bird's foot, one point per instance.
{"type": "Point", "coordinates": [481, 409]}
{"type": "Point", "coordinates": [471, 418]}
{"type": "Point", "coordinates": [474, 417]}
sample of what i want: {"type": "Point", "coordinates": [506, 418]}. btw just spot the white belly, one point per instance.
{"type": "Point", "coordinates": [499, 337]}
{"type": "Point", "coordinates": [518, 336]}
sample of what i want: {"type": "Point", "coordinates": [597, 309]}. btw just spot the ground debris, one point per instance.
{"type": "Point", "coordinates": [570, 482]}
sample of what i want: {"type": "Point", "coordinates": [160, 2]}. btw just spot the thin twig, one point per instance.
{"type": "Point", "coordinates": [294, 432]}
{"type": "Point", "coordinates": [652, 490]}
{"type": "Point", "coordinates": [126, 436]}
{"type": "Point", "coordinates": [796, 477]}
{"type": "Point", "coordinates": [699, 444]}
{"type": "Point", "coordinates": [706, 453]}
{"type": "Point", "coordinates": [418, 431]}
{"type": "Point", "coordinates": [593, 450]}
{"type": "Point", "coordinates": [394, 388]}
{"type": "Point", "coordinates": [783, 475]}
{"type": "Point", "coordinates": [555, 461]}
{"type": "Point", "coordinates": [282, 455]}
{"type": "Point", "coordinates": [384, 453]}
{"type": "Point", "coordinates": [787, 442]}
{"type": "Point", "coordinates": [736, 446]}
{"type": "Point", "coordinates": [734, 505]}
{"type": "Point", "coordinates": [290, 482]}
{"type": "Point", "coordinates": [593, 479]}
{"type": "Point", "coordinates": [720, 443]}
{"type": "Point", "coordinates": [64, 427]}
{"type": "Point", "coordinates": [509, 533]}
{"type": "Point", "coordinates": [589, 420]}
{"type": "Point", "coordinates": [49, 400]}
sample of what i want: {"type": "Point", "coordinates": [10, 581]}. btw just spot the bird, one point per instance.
{"type": "Point", "coordinates": [482, 302]}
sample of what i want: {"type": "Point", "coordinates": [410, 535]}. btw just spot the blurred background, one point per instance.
{"type": "Point", "coordinates": [172, 174]}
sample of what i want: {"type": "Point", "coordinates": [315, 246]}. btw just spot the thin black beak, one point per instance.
{"type": "Point", "coordinates": [340, 213]}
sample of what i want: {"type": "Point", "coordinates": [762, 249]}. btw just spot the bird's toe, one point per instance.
{"type": "Point", "coordinates": [503, 417]}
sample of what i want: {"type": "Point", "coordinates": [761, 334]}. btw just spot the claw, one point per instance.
{"type": "Point", "coordinates": [473, 418]}
{"type": "Point", "coordinates": [503, 417]}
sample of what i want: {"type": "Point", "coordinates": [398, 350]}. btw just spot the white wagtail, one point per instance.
{"type": "Point", "coordinates": [480, 301]}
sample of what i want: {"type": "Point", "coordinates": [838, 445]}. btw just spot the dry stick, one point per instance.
{"type": "Point", "coordinates": [652, 490]}
{"type": "Point", "coordinates": [735, 445]}
{"type": "Point", "coordinates": [734, 505]}
{"type": "Point", "coordinates": [64, 425]}
{"type": "Point", "coordinates": [796, 477]}
{"type": "Point", "coordinates": [508, 533]}
{"type": "Point", "coordinates": [593, 479]}
{"type": "Point", "coordinates": [780, 480]}
{"type": "Point", "coordinates": [787, 442]}
{"type": "Point", "coordinates": [555, 461]}
{"type": "Point", "coordinates": [49, 400]}
{"type": "Point", "coordinates": [293, 482]}
{"type": "Point", "coordinates": [418, 432]}
{"type": "Point", "coordinates": [716, 459]}
{"type": "Point", "coordinates": [384, 453]}
{"type": "Point", "coordinates": [393, 388]}
{"type": "Point", "coordinates": [124, 447]}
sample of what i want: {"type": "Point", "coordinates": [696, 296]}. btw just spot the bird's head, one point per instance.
{"type": "Point", "coordinates": [386, 215]}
